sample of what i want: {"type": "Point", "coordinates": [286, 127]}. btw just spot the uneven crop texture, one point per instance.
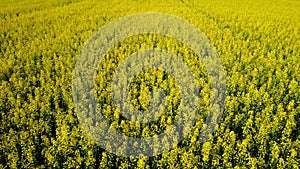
{"type": "Point", "coordinates": [258, 43]}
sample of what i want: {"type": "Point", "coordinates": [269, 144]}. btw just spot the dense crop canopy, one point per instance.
{"type": "Point", "coordinates": [258, 43]}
